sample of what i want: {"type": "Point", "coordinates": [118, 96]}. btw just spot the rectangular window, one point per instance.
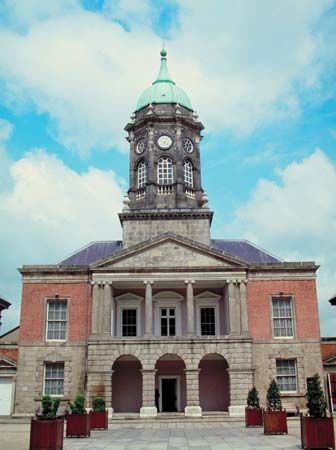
{"type": "Point", "coordinates": [208, 327]}
{"type": "Point", "coordinates": [54, 379]}
{"type": "Point", "coordinates": [283, 325]}
{"type": "Point", "coordinates": [168, 322]}
{"type": "Point", "coordinates": [56, 320]}
{"type": "Point", "coordinates": [286, 375]}
{"type": "Point", "coordinates": [129, 322]}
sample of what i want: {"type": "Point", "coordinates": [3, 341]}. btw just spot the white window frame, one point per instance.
{"type": "Point", "coordinates": [44, 378]}
{"type": "Point", "coordinates": [296, 374]}
{"type": "Point", "coordinates": [167, 299]}
{"type": "Point", "coordinates": [207, 300]}
{"type": "Point", "coordinates": [188, 174]}
{"type": "Point", "coordinates": [128, 301]}
{"type": "Point", "coordinates": [54, 300]}
{"type": "Point", "coordinates": [165, 171]}
{"type": "Point", "coordinates": [291, 299]}
{"type": "Point", "coordinates": [142, 174]}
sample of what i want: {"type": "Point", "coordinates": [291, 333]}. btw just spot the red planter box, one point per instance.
{"type": "Point", "coordinates": [46, 434]}
{"type": "Point", "coordinates": [99, 420]}
{"type": "Point", "coordinates": [317, 432]}
{"type": "Point", "coordinates": [253, 417]}
{"type": "Point", "coordinates": [78, 425]}
{"type": "Point", "coordinates": [275, 422]}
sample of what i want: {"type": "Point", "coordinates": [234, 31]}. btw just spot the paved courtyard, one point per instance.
{"type": "Point", "coordinates": [164, 436]}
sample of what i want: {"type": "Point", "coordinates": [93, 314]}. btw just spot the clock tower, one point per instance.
{"type": "Point", "coordinates": [165, 192]}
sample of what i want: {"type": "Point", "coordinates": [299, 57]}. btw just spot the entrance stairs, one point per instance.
{"type": "Point", "coordinates": [174, 417]}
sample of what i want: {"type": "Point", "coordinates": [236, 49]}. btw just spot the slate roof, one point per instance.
{"type": "Point", "coordinates": [243, 249]}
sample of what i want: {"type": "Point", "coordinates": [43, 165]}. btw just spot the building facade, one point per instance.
{"type": "Point", "coordinates": [167, 319]}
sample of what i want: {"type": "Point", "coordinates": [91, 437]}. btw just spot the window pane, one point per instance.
{"type": "Point", "coordinates": [165, 171]}
{"type": "Point", "coordinates": [142, 174]}
{"type": "Point", "coordinates": [129, 322]}
{"type": "Point", "coordinates": [57, 317]}
{"type": "Point", "coordinates": [282, 317]}
{"type": "Point", "coordinates": [286, 374]}
{"type": "Point", "coordinates": [188, 174]}
{"type": "Point", "coordinates": [208, 322]}
{"type": "Point", "coordinates": [54, 379]}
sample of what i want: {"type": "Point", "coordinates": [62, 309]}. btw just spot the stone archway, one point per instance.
{"type": "Point", "coordinates": [170, 383]}
{"type": "Point", "coordinates": [126, 384]}
{"type": "Point", "coordinates": [214, 383]}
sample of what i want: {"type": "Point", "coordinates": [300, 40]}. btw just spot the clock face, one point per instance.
{"type": "Point", "coordinates": [141, 146]}
{"type": "Point", "coordinates": [187, 145]}
{"type": "Point", "coordinates": [164, 142]}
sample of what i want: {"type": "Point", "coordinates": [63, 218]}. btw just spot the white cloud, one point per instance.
{"type": "Point", "coordinates": [50, 211]}
{"type": "Point", "coordinates": [243, 64]}
{"type": "Point", "coordinates": [296, 218]}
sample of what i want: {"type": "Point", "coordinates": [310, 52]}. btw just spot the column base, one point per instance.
{"type": "Point", "coordinates": [148, 412]}
{"type": "Point", "coordinates": [110, 412]}
{"type": "Point", "coordinates": [237, 411]}
{"type": "Point", "coordinates": [193, 411]}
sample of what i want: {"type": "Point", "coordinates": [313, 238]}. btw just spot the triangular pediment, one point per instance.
{"type": "Point", "coordinates": [6, 363]}
{"type": "Point", "coordinates": [331, 360]}
{"type": "Point", "coordinates": [170, 251]}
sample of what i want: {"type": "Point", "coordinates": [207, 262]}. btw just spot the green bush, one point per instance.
{"type": "Point", "coordinates": [77, 407]}
{"type": "Point", "coordinates": [253, 398]}
{"type": "Point", "coordinates": [273, 397]}
{"type": "Point", "coordinates": [49, 408]}
{"type": "Point", "coordinates": [98, 404]}
{"type": "Point", "coordinates": [316, 402]}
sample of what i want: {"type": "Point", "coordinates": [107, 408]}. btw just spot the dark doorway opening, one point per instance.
{"type": "Point", "coordinates": [169, 397]}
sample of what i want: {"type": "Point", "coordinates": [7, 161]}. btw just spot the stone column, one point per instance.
{"type": "Point", "coordinates": [234, 309]}
{"type": "Point", "coordinates": [193, 408]}
{"type": "Point", "coordinates": [190, 307]}
{"type": "Point", "coordinates": [241, 381]}
{"type": "Point", "coordinates": [149, 309]}
{"type": "Point", "coordinates": [243, 308]}
{"type": "Point", "coordinates": [95, 306]}
{"type": "Point", "coordinates": [107, 303]}
{"type": "Point", "coordinates": [148, 408]}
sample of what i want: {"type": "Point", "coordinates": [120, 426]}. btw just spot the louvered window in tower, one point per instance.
{"type": "Point", "coordinates": [165, 171]}
{"type": "Point", "coordinates": [142, 174]}
{"type": "Point", "coordinates": [188, 174]}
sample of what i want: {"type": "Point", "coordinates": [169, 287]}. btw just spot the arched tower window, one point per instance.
{"type": "Point", "coordinates": [165, 173]}
{"type": "Point", "coordinates": [142, 174]}
{"type": "Point", "coordinates": [188, 174]}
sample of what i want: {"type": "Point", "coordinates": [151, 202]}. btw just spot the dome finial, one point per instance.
{"type": "Point", "coordinates": [163, 52]}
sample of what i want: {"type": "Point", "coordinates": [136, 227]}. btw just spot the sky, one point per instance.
{"type": "Point", "coordinates": [260, 74]}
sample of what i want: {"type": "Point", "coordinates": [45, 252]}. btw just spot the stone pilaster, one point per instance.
{"type": "Point", "coordinates": [190, 307]}
{"type": "Point", "coordinates": [243, 308]}
{"type": "Point", "coordinates": [241, 381]}
{"type": "Point", "coordinates": [149, 309]}
{"type": "Point", "coordinates": [107, 303]}
{"type": "Point", "coordinates": [99, 384]}
{"type": "Point", "coordinates": [234, 309]}
{"type": "Point", "coordinates": [95, 306]}
{"type": "Point", "coordinates": [193, 408]}
{"type": "Point", "coordinates": [148, 408]}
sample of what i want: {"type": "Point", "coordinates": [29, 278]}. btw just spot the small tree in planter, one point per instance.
{"type": "Point", "coordinates": [99, 415]}
{"type": "Point", "coordinates": [317, 430]}
{"type": "Point", "coordinates": [46, 429]}
{"type": "Point", "coordinates": [275, 419]}
{"type": "Point", "coordinates": [78, 422]}
{"type": "Point", "coordinates": [253, 412]}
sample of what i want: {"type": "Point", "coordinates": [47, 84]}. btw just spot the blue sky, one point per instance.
{"type": "Point", "coordinates": [261, 75]}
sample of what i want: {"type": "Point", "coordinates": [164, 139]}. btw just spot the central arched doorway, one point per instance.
{"type": "Point", "coordinates": [170, 384]}
{"type": "Point", "coordinates": [214, 383]}
{"type": "Point", "coordinates": [126, 384]}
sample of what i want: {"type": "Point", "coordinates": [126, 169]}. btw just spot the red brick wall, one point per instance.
{"type": "Point", "coordinates": [33, 310]}
{"type": "Point", "coordinates": [328, 350]}
{"type": "Point", "coordinates": [11, 353]}
{"type": "Point", "coordinates": [305, 306]}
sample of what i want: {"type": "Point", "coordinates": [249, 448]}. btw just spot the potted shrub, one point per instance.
{"type": "Point", "coordinates": [99, 415]}
{"type": "Point", "coordinates": [317, 430]}
{"type": "Point", "coordinates": [46, 429]}
{"type": "Point", "coordinates": [275, 419]}
{"type": "Point", "coordinates": [78, 422]}
{"type": "Point", "coordinates": [253, 412]}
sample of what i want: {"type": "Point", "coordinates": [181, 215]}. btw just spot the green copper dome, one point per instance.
{"type": "Point", "coordinates": [163, 89]}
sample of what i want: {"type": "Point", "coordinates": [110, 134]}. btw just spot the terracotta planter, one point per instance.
{"type": "Point", "coordinates": [46, 434]}
{"type": "Point", "coordinates": [253, 417]}
{"type": "Point", "coordinates": [99, 420]}
{"type": "Point", "coordinates": [275, 422]}
{"type": "Point", "coordinates": [78, 425]}
{"type": "Point", "coordinates": [317, 432]}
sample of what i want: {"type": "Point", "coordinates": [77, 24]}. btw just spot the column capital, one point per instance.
{"type": "Point", "coordinates": [189, 281]}
{"type": "Point", "coordinates": [148, 282]}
